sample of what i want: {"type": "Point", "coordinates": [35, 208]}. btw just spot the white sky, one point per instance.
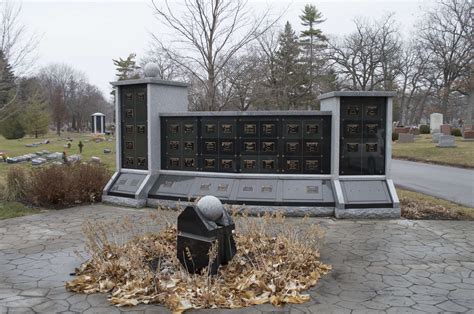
{"type": "Point", "coordinates": [88, 34]}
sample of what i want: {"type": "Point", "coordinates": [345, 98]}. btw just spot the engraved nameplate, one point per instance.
{"type": "Point", "coordinates": [292, 147]}
{"type": "Point", "coordinates": [292, 128]}
{"type": "Point", "coordinates": [174, 145]}
{"type": "Point", "coordinates": [268, 146]}
{"type": "Point", "coordinates": [371, 129]}
{"type": "Point", "coordinates": [293, 165]}
{"type": "Point", "coordinates": [209, 163]}
{"type": "Point", "coordinates": [129, 129]}
{"type": "Point", "coordinates": [168, 184]}
{"type": "Point", "coordinates": [250, 128]}
{"type": "Point", "coordinates": [205, 186]}
{"type": "Point", "coordinates": [141, 96]}
{"type": "Point", "coordinates": [250, 146]}
{"type": "Point", "coordinates": [141, 161]}
{"type": "Point", "coordinates": [312, 164]}
{"type": "Point", "coordinates": [266, 189]}
{"type": "Point", "coordinates": [353, 110]}
{"type": "Point", "coordinates": [129, 145]}
{"type": "Point", "coordinates": [174, 162]}
{"type": "Point", "coordinates": [226, 128]}
{"type": "Point", "coordinates": [248, 189]}
{"type": "Point", "coordinates": [352, 128]}
{"type": "Point", "coordinates": [268, 128]}
{"type": "Point", "coordinates": [210, 128]}
{"type": "Point", "coordinates": [352, 147]}
{"type": "Point", "coordinates": [210, 146]}
{"type": "Point", "coordinates": [141, 129]}
{"type": "Point", "coordinates": [188, 128]}
{"type": "Point", "coordinates": [227, 146]}
{"type": "Point", "coordinates": [371, 147]}
{"type": "Point", "coordinates": [311, 147]}
{"type": "Point", "coordinates": [310, 189]}
{"type": "Point", "coordinates": [189, 162]}
{"type": "Point", "coordinates": [250, 164]}
{"type": "Point", "coordinates": [129, 113]}
{"type": "Point", "coordinates": [129, 161]}
{"type": "Point", "coordinates": [372, 111]}
{"type": "Point", "coordinates": [128, 96]}
{"type": "Point", "coordinates": [189, 146]}
{"type": "Point", "coordinates": [222, 187]}
{"type": "Point", "coordinates": [226, 163]}
{"type": "Point", "coordinates": [268, 164]}
{"type": "Point", "coordinates": [174, 128]}
{"type": "Point", "coordinates": [311, 129]}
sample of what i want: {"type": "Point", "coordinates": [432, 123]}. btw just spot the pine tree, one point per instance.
{"type": "Point", "coordinates": [7, 80]}
{"type": "Point", "coordinates": [289, 71]}
{"type": "Point", "coordinates": [310, 18]}
{"type": "Point", "coordinates": [127, 68]}
{"type": "Point", "coordinates": [36, 118]}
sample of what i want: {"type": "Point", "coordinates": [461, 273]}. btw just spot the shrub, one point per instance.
{"type": "Point", "coordinates": [424, 129]}
{"type": "Point", "coordinates": [67, 185]}
{"type": "Point", "coordinates": [17, 183]}
{"type": "Point", "coordinates": [456, 132]}
{"type": "Point", "coordinates": [394, 136]}
{"type": "Point", "coordinates": [12, 128]}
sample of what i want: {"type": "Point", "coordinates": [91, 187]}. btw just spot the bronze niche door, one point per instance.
{"type": "Point", "coordinates": [133, 115]}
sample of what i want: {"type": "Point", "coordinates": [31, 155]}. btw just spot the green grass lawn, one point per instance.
{"type": "Point", "coordinates": [17, 147]}
{"type": "Point", "coordinates": [425, 151]}
{"type": "Point", "coordinates": [15, 209]}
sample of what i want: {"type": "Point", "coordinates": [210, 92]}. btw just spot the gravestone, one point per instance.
{"type": "Point", "coordinates": [435, 137]}
{"type": "Point", "coordinates": [445, 129]}
{"type": "Point", "coordinates": [406, 138]}
{"type": "Point", "coordinates": [446, 141]}
{"type": "Point", "coordinates": [436, 120]}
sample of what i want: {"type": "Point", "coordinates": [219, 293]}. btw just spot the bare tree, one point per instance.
{"type": "Point", "coordinates": [169, 69]}
{"type": "Point", "coordinates": [17, 43]}
{"type": "Point", "coordinates": [447, 35]}
{"type": "Point", "coordinates": [367, 58]}
{"type": "Point", "coordinates": [206, 35]}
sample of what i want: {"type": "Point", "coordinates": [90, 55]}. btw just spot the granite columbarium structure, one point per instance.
{"type": "Point", "coordinates": [330, 162]}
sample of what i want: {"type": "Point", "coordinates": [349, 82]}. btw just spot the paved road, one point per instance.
{"type": "Point", "coordinates": [379, 266]}
{"type": "Point", "coordinates": [454, 184]}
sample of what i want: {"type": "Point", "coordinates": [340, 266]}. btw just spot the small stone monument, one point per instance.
{"type": "Point", "coordinates": [436, 120]}
{"type": "Point", "coordinates": [445, 129]}
{"type": "Point", "coordinates": [435, 137]}
{"type": "Point", "coordinates": [446, 141]}
{"type": "Point", "coordinates": [406, 138]}
{"type": "Point", "coordinates": [199, 228]}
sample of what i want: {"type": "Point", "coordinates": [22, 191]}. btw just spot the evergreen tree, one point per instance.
{"type": "Point", "coordinates": [12, 127]}
{"type": "Point", "coordinates": [35, 119]}
{"type": "Point", "coordinates": [290, 73]}
{"type": "Point", "coordinates": [127, 68]}
{"type": "Point", "coordinates": [312, 36]}
{"type": "Point", "coordinates": [7, 81]}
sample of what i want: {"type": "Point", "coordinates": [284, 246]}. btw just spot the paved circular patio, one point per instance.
{"type": "Point", "coordinates": [378, 265]}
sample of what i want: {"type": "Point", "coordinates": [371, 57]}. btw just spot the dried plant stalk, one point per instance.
{"type": "Point", "coordinates": [276, 261]}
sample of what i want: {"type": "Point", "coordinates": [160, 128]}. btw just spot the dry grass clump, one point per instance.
{"type": "Point", "coordinates": [275, 262]}
{"type": "Point", "coordinates": [419, 206]}
{"type": "Point", "coordinates": [16, 185]}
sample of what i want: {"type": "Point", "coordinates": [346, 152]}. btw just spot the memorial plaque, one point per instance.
{"type": "Point", "coordinates": [205, 187]}
{"type": "Point", "coordinates": [129, 129]}
{"type": "Point", "coordinates": [353, 110]}
{"type": "Point", "coordinates": [266, 188]}
{"type": "Point", "coordinates": [210, 164]}
{"type": "Point", "coordinates": [189, 146]}
{"type": "Point", "coordinates": [352, 147]}
{"type": "Point", "coordinates": [210, 128]}
{"type": "Point", "coordinates": [141, 96]}
{"type": "Point", "coordinates": [257, 190]}
{"type": "Point", "coordinates": [174, 128]}
{"type": "Point", "coordinates": [227, 164]}
{"type": "Point", "coordinates": [128, 96]}
{"type": "Point", "coordinates": [250, 164]}
{"type": "Point", "coordinates": [268, 164]}
{"type": "Point", "coordinates": [311, 147]}
{"type": "Point", "coordinates": [312, 165]}
{"type": "Point", "coordinates": [371, 128]}
{"type": "Point", "coordinates": [311, 129]}
{"type": "Point", "coordinates": [188, 128]}
{"type": "Point", "coordinates": [292, 147]}
{"type": "Point", "coordinates": [210, 147]}
{"type": "Point", "coordinates": [218, 187]}
{"type": "Point", "coordinates": [174, 163]}
{"type": "Point", "coordinates": [352, 129]}
{"type": "Point", "coordinates": [268, 147]}
{"type": "Point", "coordinates": [129, 145]}
{"type": "Point", "coordinates": [250, 147]}
{"type": "Point", "coordinates": [173, 185]}
{"type": "Point", "coordinates": [269, 129]}
{"type": "Point", "coordinates": [129, 161]}
{"type": "Point", "coordinates": [293, 165]}
{"type": "Point", "coordinates": [141, 162]}
{"type": "Point", "coordinates": [372, 111]}
{"type": "Point", "coordinates": [226, 128]}
{"type": "Point", "coordinates": [292, 128]}
{"type": "Point", "coordinates": [174, 145]}
{"type": "Point", "coordinates": [250, 128]}
{"type": "Point", "coordinates": [129, 113]}
{"type": "Point", "coordinates": [127, 184]}
{"type": "Point", "coordinates": [227, 147]}
{"type": "Point", "coordinates": [189, 163]}
{"type": "Point", "coordinates": [371, 147]}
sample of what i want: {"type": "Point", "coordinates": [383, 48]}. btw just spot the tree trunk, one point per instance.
{"type": "Point", "coordinates": [58, 128]}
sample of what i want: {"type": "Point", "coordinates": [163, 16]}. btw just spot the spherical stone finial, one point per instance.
{"type": "Point", "coordinates": [211, 207]}
{"type": "Point", "coordinates": [151, 70]}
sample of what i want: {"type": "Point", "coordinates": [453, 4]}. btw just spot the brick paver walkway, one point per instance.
{"type": "Point", "coordinates": [378, 266]}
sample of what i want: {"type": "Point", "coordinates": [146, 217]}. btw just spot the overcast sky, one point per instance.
{"type": "Point", "coordinates": [88, 34]}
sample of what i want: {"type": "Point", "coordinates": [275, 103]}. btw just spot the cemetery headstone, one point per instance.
{"type": "Point", "coordinates": [406, 138]}
{"type": "Point", "coordinates": [446, 141]}
{"type": "Point", "coordinates": [445, 129]}
{"type": "Point", "coordinates": [435, 137]}
{"type": "Point", "coordinates": [436, 120]}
